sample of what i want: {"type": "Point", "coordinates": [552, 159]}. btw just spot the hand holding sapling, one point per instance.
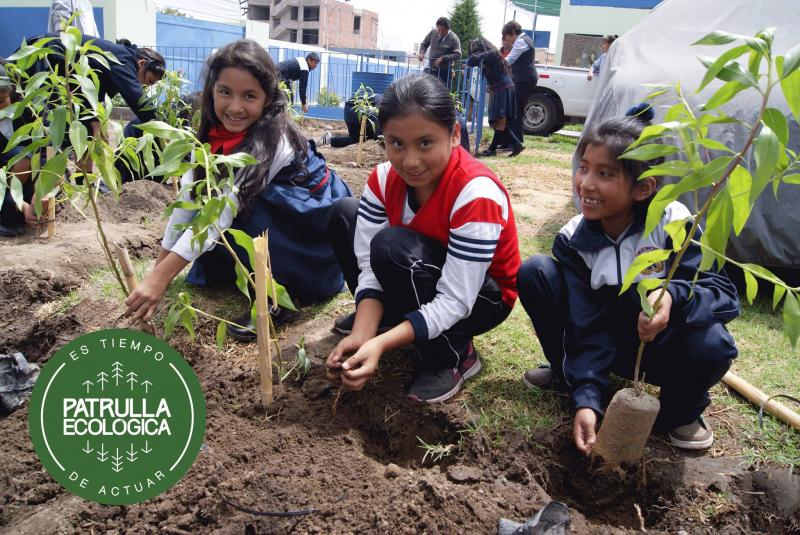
{"type": "Point", "coordinates": [360, 368]}
{"type": "Point", "coordinates": [649, 327]}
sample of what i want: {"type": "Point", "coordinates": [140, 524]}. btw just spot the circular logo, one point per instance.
{"type": "Point", "coordinates": [117, 416]}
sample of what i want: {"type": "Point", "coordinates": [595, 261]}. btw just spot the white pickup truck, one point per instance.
{"type": "Point", "coordinates": [562, 95]}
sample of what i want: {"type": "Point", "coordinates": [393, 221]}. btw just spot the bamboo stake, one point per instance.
{"type": "Point", "coordinates": [175, 186]}
{"type": "Point", "coordinates": [757, 397]}
{"type": "Point", "coordinates": [262, 319]}
{"type": "Point", "coordinates": [361, 140]}
{"type": "Point", "coordinates": [51, 204]}
{"type": "Point", "coordinates": [127, 267]}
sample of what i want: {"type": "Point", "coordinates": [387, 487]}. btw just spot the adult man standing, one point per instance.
{"type": "Point", "coordinates": [298, 69]}
{"type": "Point", "coordinates": [62, 10]}
{"type": "Point", "coordinates": [445, 48]}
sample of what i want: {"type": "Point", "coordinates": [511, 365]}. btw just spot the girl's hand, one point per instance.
{"type": "Point", "coordinates": [359, 368]}
{"type": "Point", "coordinates": [583, 429]}
{"type": "Point", "coordinates": [347, 346]}
{"type": "Point", "coordinates": [649, 328]}
{"type": "Point", "coordinates": [30, 214]}
{"type": "Point", "coordinates": [143, 300]}
{"type": "Point", "coordinates": [589, 77]}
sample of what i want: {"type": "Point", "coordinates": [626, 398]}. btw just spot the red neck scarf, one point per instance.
{"type": "Point", "coordinates": [223, 141]}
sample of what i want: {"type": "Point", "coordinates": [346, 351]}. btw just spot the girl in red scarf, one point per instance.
{"type": "Point", "coordinates": [288, 191]}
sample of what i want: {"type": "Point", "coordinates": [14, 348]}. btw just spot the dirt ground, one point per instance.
{"type": "Point", "coordinates": [353, 458]}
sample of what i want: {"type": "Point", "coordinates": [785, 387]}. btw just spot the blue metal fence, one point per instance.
{"type": "Point", "coordinates": [341, 74]}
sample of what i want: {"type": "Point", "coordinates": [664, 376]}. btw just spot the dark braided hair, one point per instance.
{"type": "Point", "coordinates": [154, 62]}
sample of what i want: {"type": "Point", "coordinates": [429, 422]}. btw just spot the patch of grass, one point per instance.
{"type": "Point", "coordinates": [553, 143]}
{"type": "Point", "coordinates": [574, 127]}
{"type": "Point", "coordinates": [61, 306]}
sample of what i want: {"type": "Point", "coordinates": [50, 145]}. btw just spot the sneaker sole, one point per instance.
{"type": "Point", "coordinates": [533, 386]}
{"type": "Point", "coordinates": [691, 445]}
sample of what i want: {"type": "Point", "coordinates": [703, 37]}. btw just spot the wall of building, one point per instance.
{"type": "Point", "coordinates": [597, 18]}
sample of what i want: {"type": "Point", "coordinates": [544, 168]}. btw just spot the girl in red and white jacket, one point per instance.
{"type": "Point", "coordinates": [431, 248]}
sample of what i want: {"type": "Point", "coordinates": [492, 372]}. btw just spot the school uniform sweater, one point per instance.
{"type": "Point", "coordinates": [469, 213]}
{"type": "Point", "coordinates": [594, 267]}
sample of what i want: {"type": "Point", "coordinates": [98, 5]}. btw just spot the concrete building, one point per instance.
{"type": "Point", "coordinates": [583, 23]}
{"type": "Point", "coordinates": [327, 23]}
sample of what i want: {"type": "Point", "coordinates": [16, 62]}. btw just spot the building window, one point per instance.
{"type": "Point", "coordinates": [293, 36]}
{"type": "Point", "coordinates": [277, 2]}
{"type": "Point", "coordinates": [259, 13]}
{"type": "Point", "coordinates": [311, 14]}
{"type": "Point", "coordinates": [357, 25]}
{"type": "Point", "coordinates": [310, 37]}
{"type": "Point", "coordinates": [293, 13]}
{"type": "Point", "coordinates": [276, 21]}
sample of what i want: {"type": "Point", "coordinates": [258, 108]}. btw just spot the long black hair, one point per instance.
{"type": "Point", "coordinates": [418, 93]}
{"type": "Point", "coordinates": [263, 136]}
{"type": "Point", "coordinates": [494, 64]}
{"type": "Point", "coordinates": [154, 62]}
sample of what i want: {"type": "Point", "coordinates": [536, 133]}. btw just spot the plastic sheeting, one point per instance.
{"type": "Point", "coordinates": [657, 50]}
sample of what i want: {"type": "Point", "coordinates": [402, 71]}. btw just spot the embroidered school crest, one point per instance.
{"type": "Point", "coordinates": [658, 267]}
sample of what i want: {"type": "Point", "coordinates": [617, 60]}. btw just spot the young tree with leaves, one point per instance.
{"type": "Point", "coordinates": [466, 23]}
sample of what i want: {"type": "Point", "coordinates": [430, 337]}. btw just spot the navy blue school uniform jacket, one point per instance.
{"type": "Point", "coordinates": [597, 316]}
{"type": "Point", "coordinates": [295, 69]}
{"type": "Point", "coordinates": [119, 78]}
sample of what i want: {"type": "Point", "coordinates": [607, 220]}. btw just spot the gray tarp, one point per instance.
{"type": "Point", "coordinates": [657, 50]}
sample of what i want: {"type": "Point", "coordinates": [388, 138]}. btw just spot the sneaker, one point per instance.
{"type": "Point", "coordinates": [344, 324]}
{"type": "Point", "coordinates": [7, 231]}
{"type": "Point", "coordinates": [540, 377]}
{"type": "Point", "coordinates": [517, 150]}
{"type": "Point", "coordinates": [440, 385]}
{"type": "Point", "coordinates": [280, 317]}
{"type": "Point", "coordinates": [694, 436]}
{"type": "Point", "coordinates": [325, 139]}
{"type": "Point", "coordinates": [487, 153]}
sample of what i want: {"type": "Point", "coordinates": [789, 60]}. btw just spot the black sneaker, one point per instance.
{"type": "Point", "coordinates": [487, 153]}
{"type": "Point", "coordinates": [344, 324]}
{"type": "Point", "coordinates": [440, 385]}
{"type": "Point", "coordinates": [280, 317]}
{"type": "Point", "coordinates": [7, 231]}
{"type": "Point", "coordinates": [516, 151]}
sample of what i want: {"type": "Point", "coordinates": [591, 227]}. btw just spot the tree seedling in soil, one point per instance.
{"type": "Point", "coordinates": [59, 104]}
{"type": "Point", "coordinates": [365, 110]}
{"type": "Point", "coordinates": [436, 452]}
{"type": "Point", "coordinates": [730, 191]}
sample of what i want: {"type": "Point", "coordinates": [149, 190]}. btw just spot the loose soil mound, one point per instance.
{"type": "Point", "coordinates": [354, 457]}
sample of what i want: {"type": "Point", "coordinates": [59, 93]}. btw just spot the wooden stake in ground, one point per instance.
{"type": "Point", "coordinates": [127, 267]}
{"type": "Point", "coordinates": [51, 205]}
{"type": "Point", "coordinates": [262, 319]}
{"type": "Point", "coordinates": [362, 137]}
{"type": "Point", "coordinates": [775, 408]}
{"type": "Point", "coordinates": [175, 187]}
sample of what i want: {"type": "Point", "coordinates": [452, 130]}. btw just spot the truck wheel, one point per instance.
{"type": "Point", "coordinates": [541, 115]}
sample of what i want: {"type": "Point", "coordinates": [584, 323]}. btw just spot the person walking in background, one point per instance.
{"type": "Point", "coordinates": [522, 58]}
{"type": "Point", "coordinates": [606, 44]}
{"type": "Point", "coordinates": [444, 47]}
{"type": "Point", "coordinates": [62, 10]}
{"type": "Point", "coordinates": [502, 104]}
{"type": "Point", "coordinates": [297, 69]}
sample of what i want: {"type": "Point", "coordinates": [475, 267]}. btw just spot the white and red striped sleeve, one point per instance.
{"type": "Point", "coordinates": [371, 219]}
{"type": "Point", "coordinates": [476, 220]}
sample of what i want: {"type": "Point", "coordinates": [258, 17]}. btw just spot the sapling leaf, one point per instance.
{"type": "Point", "coordinates": [640, 264]}
{"type": "Point", "coordinates": [766, 150]}
{"type": "Point", "coordinates": [776, 121]}
{"type": "Point", "coordinates": [3, 182]}
{"type": "Point", "coordinates": [723, 95]}
{"type": "Point", "coordinates": [677, 232]}
{"type": "Point", "coordinates": [718, 37]}
{"type": "Point", "coordinates": [751, 286]}
{"type": "Point", "coordinates": [58, 125]}
{"type": "Point", "coordinates": [791, 61]}
{"type": "Point", "coordinates": [77, 138]}
{"type": "Point", "coordinates": [717, 232]}
{"type": "Point", "coordinates": [16, 191]}
{"type": "Point", "coordinates": [188, 317]}
{"type": "Point", "coordinates": [712, 144]}
{"type": "Point", "coordinates": [733, 72]}
{"type": "Point", "coordinates": [668, 168]}
{"type": "Point", "coordinates": [88, 89]}
{"type": "Point", "coordinates": [20, 134]}
{"type": "Point", "coordinates": [163, 130]}
{"type": "Point", "coordinates": [171, 319]}
{"type": "Point", "coordinates": [655, 210]}
{"type": "Point", "coordinates": [714, 66]}
{"type": "Point", "coordinates": [283, 296]}
{"type": "Point", "coordinates": [791, 318]}
{"type": "Point", "coordinates": [790, 86]}
{"type": "Point", "coordinates": [241, 279]}
{"type": "Point", "coordinates": [647, 308]}
{"type": "Point", "coordinates": [50, 176]}
{"type": "Point", "coordinates": [777, 295]}
{"type": "Point", "coordinates": [244, 241]}
{"type": "Point", "coordinates": [648, 152]}
{"type": "Point", "coordinates": [739, 185]}
{"type": "Point", "coordinates": [222, 333]}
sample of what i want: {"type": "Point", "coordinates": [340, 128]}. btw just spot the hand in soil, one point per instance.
{"type": "Point", "coordinates": [650, 327]}
{"type": "Point", "coordinates": [143, 300]}
{"type": "Point", "coordinates": [358, 369]}
{"type": "Point", "coordinates": [583, 429]}
{"type": "Point", "coordinates": [30, 214]}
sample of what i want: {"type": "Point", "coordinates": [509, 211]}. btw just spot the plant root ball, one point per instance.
{"type": "Point", "coordinates": [626, 426]}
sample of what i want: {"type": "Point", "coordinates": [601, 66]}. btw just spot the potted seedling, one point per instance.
{"type": "Point", "coordinates": [729, 189]}
{"type": "Point", "coordinates": [364, 106]}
